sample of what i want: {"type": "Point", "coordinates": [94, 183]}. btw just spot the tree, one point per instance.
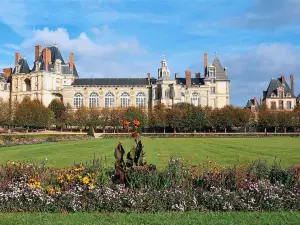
{"type": "Point", "coordinates": [33, 114]}
{"type": "Point", "coordinates": [284, 119]}
{"type": "Point", "coordinates": [94, 117]}
{"type": "Point", "coordinates": [59, 110]}
{"type": "Point", "coordinates": [5, 114]}
{"type": "Point", "coordinates": [195, 118]}
{"type": "Point", "coordinates": [174, 118]}
{"type": "Point", "coordinates": [266, 119]}
{"type": "Point", "coordinates": [81, 117]}
{"type": "Point", "coordinates": [159, 115]}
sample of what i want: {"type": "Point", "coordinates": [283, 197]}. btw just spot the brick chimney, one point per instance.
{"type": "Point", "coordinates": [205, 64]}
{"type": "Point", "coordinates": [71, 61]}
{"type": "Point", "coordinates": [255, 102]}
{"type": "Point", "coordinates": [38, 49]}
{"type": "Point", "coordinates": [176, 75]}
{"type": "Point", "coordinates": [292, 83]}
{"type": "Point", "coordinates": [149, 78]}
{"type": "Point", "coordinates": [282, 79]}
{"type": "Point", "coordinates": [188, 77]}
{"type": "Point", "coordinates": [197, 74]}
{"type": "Point", "coordinates": [8, 72]}
{"type": "Point", "coordinates": [47, 57]}
{"type": "Point", "coordinates": [17, 58]}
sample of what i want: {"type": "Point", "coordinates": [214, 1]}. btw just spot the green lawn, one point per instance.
{"type": "Point", "coordinates": [225, 151]}
{"type": "Point", "coordinates": [147, 218]}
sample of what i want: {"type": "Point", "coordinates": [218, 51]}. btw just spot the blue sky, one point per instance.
{"type": "Point", "coordinates": [256, 40]}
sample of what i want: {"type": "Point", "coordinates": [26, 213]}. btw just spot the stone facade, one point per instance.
{"type": "Point", "coordinates": [51, 77]}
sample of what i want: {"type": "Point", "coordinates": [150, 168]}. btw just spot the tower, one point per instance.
{"type": "Point", "coordinates": [164, 71]}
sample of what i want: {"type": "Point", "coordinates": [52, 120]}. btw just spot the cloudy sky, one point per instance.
{"type": "Point", "coordinates": [255, 39]}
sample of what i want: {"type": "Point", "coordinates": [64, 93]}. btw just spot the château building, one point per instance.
{"type": "Point", "coordinates": [52, 77]}
{"type": "Point", "coordinates": [278, 96]}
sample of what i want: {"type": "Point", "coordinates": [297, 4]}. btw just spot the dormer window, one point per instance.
{"type": "Point", "coordinates": [273, 95]}
{"type": "Point", "coordinates": [288, 95]}
{"type": "Point", "coordinates": [212, 72]}
{"type": "Point", "coordinates": [37, 66]}
{"type": "Point", "coordinates": [57, 66]}
{"type": "Point", "coordinates": [280, 94]}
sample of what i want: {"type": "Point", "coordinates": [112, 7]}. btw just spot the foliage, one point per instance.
{"type": "Point", "coordinates": [33, 114]}
{"type": "Point", "coordinates": [179, 187]}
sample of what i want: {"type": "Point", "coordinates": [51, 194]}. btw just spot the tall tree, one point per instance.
{"type": "Point", "coordinates": [5, 114]}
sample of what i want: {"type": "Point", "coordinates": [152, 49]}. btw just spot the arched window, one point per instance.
{"type": "Point", "coordinates": [167, 94]}
{"type": "Point", "coordinates": [141, 99]}
{"type": "Point", "coordinates": [27, 84]}
{"type": "Point", "coordinates": [109, 100]}
{"type": "Point", "coordinates": [78, 100]}
{"type": "Point", "coordinates": [195, 100]}
{"type": "Point", "coordinates": [94, 100]}
{"type": "Point", "coordinates": [125, 99]}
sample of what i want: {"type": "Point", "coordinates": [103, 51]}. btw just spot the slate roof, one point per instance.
{"type": "Point", "coordinates": [298, 98]}
{"type": "Point", "coordinates": [251, 103]}
{"type": "Point", "coordinates": [110, 81]}
{"type": "Point", "coordinates": [195, 81]}
{"type": "Point", "coordinates": [274, 84]}
{"type": "Point", "coordinates": [220, 71]}
{"type": "Point", "coordinates": [24, 68]}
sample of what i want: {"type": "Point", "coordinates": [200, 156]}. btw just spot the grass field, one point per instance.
{"type": "Point", "coordinates": [159, 218]}
{"type": "Point", "coordinates": [225, 151]}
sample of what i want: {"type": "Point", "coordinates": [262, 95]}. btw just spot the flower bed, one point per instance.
{"type": "Point", "coordinates": [179, 187]}
{"type": "Point", "coordinates": [7, 141]}
{"type": "Point", "coordinates": [202, 135]}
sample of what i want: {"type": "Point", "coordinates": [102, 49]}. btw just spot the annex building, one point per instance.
{"type": "Point", "coordinates": [52, 77]}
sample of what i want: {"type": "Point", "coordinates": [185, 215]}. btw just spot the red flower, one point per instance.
{"type": "Point", "coordinates": [126, 123]}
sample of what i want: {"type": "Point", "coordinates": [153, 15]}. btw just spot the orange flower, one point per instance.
{"type": "Point", "coordinates": [126, 123]}
{"type": "Point", "coordinates": [136, 122]}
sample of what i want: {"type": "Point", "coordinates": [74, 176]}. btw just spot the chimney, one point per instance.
{"type": "Point", "coordinates": [176, 75]}
{"type": "Point", "coordinates": [47, 58]}
{"type": "Point", "coordinates": [71, 61]}
{"type": "Point", "coordinates": [197, 74]}
{"type": "Point", "coordinates": [282, 79]}
{"type": "Point", "coordinates": [255, 101]}
{"type": "Point", "coordinates": [38, 49]}
{"type": "Point", "coordinates": [188, 77]}
{"type": "Point", "coordinates": [17, 58]}
{"type": "Point", "coordinates": [8, 72]}
{"type": "Point", "coordinates": [149, 79]}
{"type": "Point", "coordinates": [260, 101]}
{"type": "Point", "coordinates": [205, 64]}
{"type": "Point", "coordinates": [292, 83]}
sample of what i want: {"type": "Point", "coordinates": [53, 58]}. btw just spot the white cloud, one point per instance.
{"type": "Point", "coordinates": [104, 55]}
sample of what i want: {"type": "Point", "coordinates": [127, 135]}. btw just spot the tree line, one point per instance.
{"type": "Point", "coordinates": [182, 117]}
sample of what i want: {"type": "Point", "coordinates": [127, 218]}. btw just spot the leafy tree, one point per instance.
{"type": "Point", "coordinates": [266, 119]}
{"type": "Point", "coordinates": [58, 108]}
{"type": "Point", "coordinates": [174, 118]}
{"type": "Point", "coordinates": [284, 119]}
{"type": "Point", "coordinates": [159, 115]}
{"type": "Point", "coordinates": [195, 118]}
{"type": "Point", "coordinates": [135, 113]}
{"type": "Point", "coordinates": [81, 117]}
{"type": "Point", "coordinates": [5, 114]}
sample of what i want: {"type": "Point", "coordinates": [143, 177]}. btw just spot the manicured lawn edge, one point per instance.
{"type": "Point", "coordinates": [149, 218]}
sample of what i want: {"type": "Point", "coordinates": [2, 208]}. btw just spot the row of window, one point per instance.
{"type": "Point", "coordinates": [109, 100]}
{"type": "Point", "coordinates": [281, 105]}
{"type": "Point", "coordinates": [281, 95]}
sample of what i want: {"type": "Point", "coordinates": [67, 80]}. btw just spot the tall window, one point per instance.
{"type": "Point", "coordinates": [273, 105]}
{"type": "Point", "coordinates": [167, 94]}
{"type": "Point", "coordinates": [94, 100]}
{"type": "Point", "coordinates": [27, 84]}
{"type": "Point", "coordinates": [195, 100]}
{"type": "Point", "coordinates": [280, 94]}
{"type": "Point", "coordinates": [78, 100]}
{"type": "Point", "coordinates": [125, 99]}
{"type": "Point", "coordinates": [109, 100]}
{"type": "Point", "coordinates": [212, 90]}
{"type": "Point", "coordinates": [280, 104]}
{"type": "Point", "coordinates": [212, 73]}
{"type": "Point", "coordinates": [141, 99]}
{"type": "Point", "coordinates": [289, 105]}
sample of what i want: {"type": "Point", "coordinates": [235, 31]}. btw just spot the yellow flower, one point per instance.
{"type": "Point", "coordinates": [85, 180]}
{"type": "Point", "coordinates": [92, 186]}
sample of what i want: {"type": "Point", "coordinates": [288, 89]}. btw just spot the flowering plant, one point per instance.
{"type": "Point", "coordinates": [135, 128]}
